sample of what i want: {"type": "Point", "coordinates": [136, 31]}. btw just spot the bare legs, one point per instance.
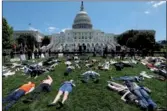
{"type": "Point", "coordinates": [65, 97]}
{"type": "Point", "coordinates": [57, 97]}
{"type": "Point", "coordinates": [116, 86]}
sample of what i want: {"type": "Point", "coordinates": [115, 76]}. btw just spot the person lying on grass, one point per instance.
{"type": "Point", "coordinates": [141, 92]}
{"type": "Point", "coordinates": [13, 97]}
{"type": "Point", "coordinates": [105, 66]}
{"type": "Point", "coordinates": [65, 89]}
{"type": "Point", "coordinates": [128, 78]}
{"type": "Point", "coordinates": [76, 63]}
{"type": "Point", "coordinates": [90, 74]}
{"type": "Point", "coordinates": [67, 63]}
{"type": "Point", "coordinates": [34, 70]}
{"type": "Point", "coordinates": [45, 86]}
{"type": "Point", "coordinates": [69, 58]}
{"type": "Point", "coordinates": [89, 64]}
{"type": "Point", "coordinates": [100, 66]}
{"type": "Point", "coordinates": [94, 61]}
{"type": "Point", "coordinates": [127, 96]}
{"type": "Point", "coordinates": [68, 70]}
{"type": "Point", "coordinates": [78, 66]}
{"type": "Point", "coordinates": [76, 57]}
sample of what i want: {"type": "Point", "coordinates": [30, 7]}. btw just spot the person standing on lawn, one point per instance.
{"type": "Point", "coordinates": [4, 56]}
{"type": "Point", "coordinates": [39, 53]}
{"type": "Point", "coordinates": [29, 54]}
{"type": "Point", "coordinates": [12, 54]}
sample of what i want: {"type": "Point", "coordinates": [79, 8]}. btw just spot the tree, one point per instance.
{"type": "Point", "coordinates": [7, 32]}
{"type": "Point", "coordinates": [45, 41]}
{"type": "Point", "coordinates": [123, 38]}
{"type": "Point", "coordinates": [130, 43]}
{"type": "Point", "coordinates": [164, 42]}
{"type": "Point", "coordinates": [27, 40]}
{"type": "Point", "coordinates": [138, 39]}
{"type": "Point", "coordinates": [157, 47]}
{"type": "Point", "coordinates": [144, 39]}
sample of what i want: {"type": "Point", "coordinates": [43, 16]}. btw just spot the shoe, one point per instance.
{"type": "Point", "coordinates": [96, 81]}
{"type": "Point", "coordinates": [27, 100]}
{"type": "Point", "coordinates": [60, 105]}
{"type": "Point", "coordinates": [51, 104]}
{"type": "Point", "coordinates": [161, 109]}
{"type": "Point", "coordinates": [83, 81]}
{"type": "Point", "coordinates": [150, 108]}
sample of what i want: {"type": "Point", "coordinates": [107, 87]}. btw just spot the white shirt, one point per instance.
{"type": "Point", "coordinates": [75, 57]}
{"type": "Point", "coordinates": [71, 67]}
{"type": "Point", "coordinates": [68, 63]}
{"type": "Point", "coordinates": [106, 65]}
{"type": "Point", "coordinates": [91, 73]}
{"type": "Point", "coordinates": [47, 81]}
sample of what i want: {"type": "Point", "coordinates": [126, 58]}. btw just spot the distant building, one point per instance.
{"type": "Point", "coordinates": [82, 34]}
{"type": "Point", "coordinates": [162, 42]}
{"type": "Point", "coordinates": [36, 34]}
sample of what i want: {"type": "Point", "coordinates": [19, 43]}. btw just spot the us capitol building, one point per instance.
{"type": "Point", "coordinates": [82, 33]}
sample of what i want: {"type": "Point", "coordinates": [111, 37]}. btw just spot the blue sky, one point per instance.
{"type": "Point", "coordinates": [112, 17]}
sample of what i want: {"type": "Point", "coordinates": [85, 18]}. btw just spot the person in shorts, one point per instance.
{"type": "Point", "coordinates": [65, 89]}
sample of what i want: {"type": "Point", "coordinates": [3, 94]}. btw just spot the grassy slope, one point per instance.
{"type": "Point", "coordinates": [85, 97]}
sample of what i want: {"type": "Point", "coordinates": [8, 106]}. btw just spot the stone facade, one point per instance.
{"type": "Point", "coordinates": [36, 34]}
{"type": "Point", "coordinates": [82, 33]}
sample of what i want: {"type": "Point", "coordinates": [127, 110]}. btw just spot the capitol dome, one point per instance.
{"type": "Point", "coordinates": [82, 20]}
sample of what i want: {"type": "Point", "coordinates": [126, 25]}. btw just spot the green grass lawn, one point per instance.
{"type": "Point", "coordinates": [85, 97]}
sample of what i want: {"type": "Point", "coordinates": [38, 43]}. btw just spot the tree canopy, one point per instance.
{"type": "Point", "coordinates": [7, 32]}
{"type": "Point", "coordinates": [27, 41]}
{"type": "Point", "coordinates": [45, 41]}
{"type": "Point", "coordinates": [139, 39]}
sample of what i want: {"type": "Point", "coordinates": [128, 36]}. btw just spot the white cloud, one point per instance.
{"type": "Point", "coordinates": [151, 2]}
{"type": "Point", "coordinates": [33, 29]}
{"type": "Point", "coordinates": [63, 30]}
{"type": "Point", "coordinates": [147, 12]}
{"type": "Point", "coordinates": [157, 4]}
{"type": "Point", "coordinates": [51, 29]}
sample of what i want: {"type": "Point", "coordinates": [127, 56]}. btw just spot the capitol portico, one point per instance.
{"type": "Point", "coordinates": [82, 33]}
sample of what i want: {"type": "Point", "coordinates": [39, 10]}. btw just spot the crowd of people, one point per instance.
{"type": "Point", "coordinates": [130, 90]}
{"type": "Point", "coordinates": [104, 52]}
